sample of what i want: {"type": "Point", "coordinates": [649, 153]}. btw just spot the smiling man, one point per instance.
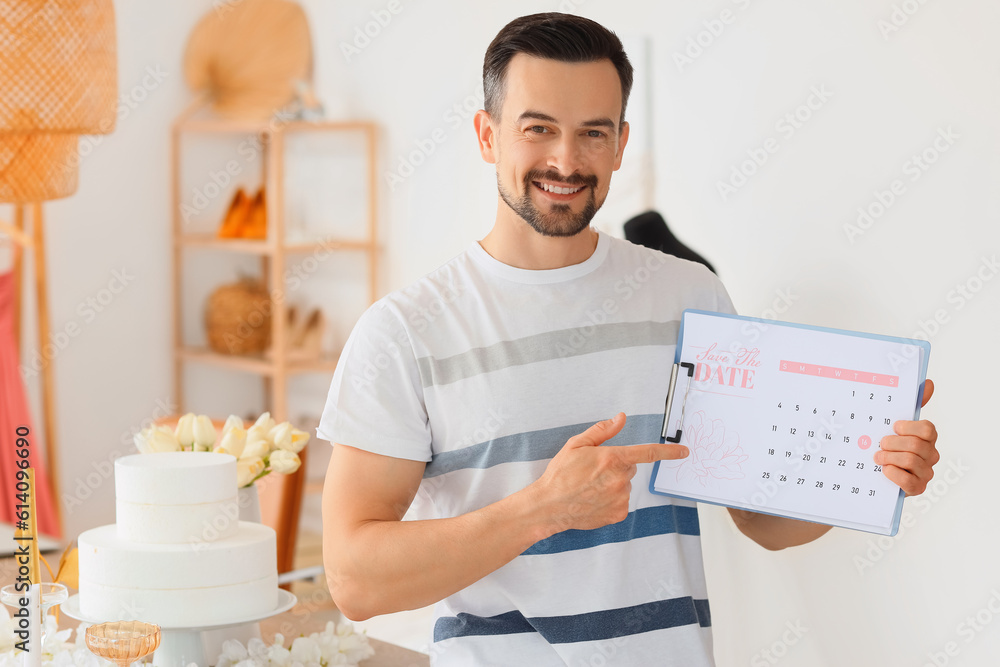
{"type": "Point", "coordinates": [486, 387]}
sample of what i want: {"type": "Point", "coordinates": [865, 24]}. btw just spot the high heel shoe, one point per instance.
{"type": "Point", "coordinates": [236, 215]}
{"type": "Point", "coordinates": [256, 223]}
{"type": "Point", "coordinates": [309, 345]}
{"type": "Point", "coordinates": [303, 336]}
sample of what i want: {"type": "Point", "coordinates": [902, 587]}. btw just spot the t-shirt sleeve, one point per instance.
{"type": "Point", "coordinates": [376, 400]}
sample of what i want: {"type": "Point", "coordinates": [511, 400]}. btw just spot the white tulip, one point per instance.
{"type": "Point", "coordinates": [141, 440]}
{"type": "Point", "coordinates": [247, 470]}
{"type": "Point", "coordinates": [232, 421]}
{"type": "Point", "coordinates": [156, 439]}
{"type": "Point", "coordinates": [257, 443]}
{"type": "Point", "coordinates": [281, 435]}
{"type": "Point", "coordinates": [204, 433]}
{"type": "Point", "coordinates": [284, 462]}
{"type": "Point", "coordinates": [185, 430]}
{"type": "Point", "coordinates": [265, 422]}
{"type": "Point", "coordinates": [299, 440]}
{"type": "Point", "coordinates": [233, 441]}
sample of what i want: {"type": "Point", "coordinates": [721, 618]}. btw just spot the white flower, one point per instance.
{"type": "Point", "coordinates": [278, 655]}
{"type": "Point", "coordinates": [265, 422]}
{"type": "Point", "coordinates": [305, 650]}
{"type": "Point", "coordinates": [294, 442]}
{"type": "Point", "coordinates": [156, 439]}
{"type": "Point", "coordinates": [247, 470]}
{"type": "Point", "coordinates": [258, 444]}
{"type": "Point", "coordinates": [233, 441]}
{"type": "Point", "coordinates": [281, 435]}
{"type": "Point", "coordinates": [353, 646]}
{"type": "Point", "coordinates": [204, 433]}
{"type": "Point", "coordinates": [284, 462]}
{"type": "Point", "coordinates": [232, 421]}
{"type": "Point", "coordinates": [185, 430]}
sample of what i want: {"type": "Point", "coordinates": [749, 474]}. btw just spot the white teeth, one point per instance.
{"type": "Point", "coordinates": [559, 191]}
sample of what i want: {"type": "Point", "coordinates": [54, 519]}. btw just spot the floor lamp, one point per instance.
{"type": "Point", "coordinates": [58, 80]}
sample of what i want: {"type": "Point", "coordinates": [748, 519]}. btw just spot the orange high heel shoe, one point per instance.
{"type": "Point", "coordinates": [236, 215]}
{"type": "Point", "coordinates": [256, 224]}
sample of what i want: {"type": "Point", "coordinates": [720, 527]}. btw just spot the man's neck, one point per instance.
{"type": "Point", "coordinates": [516, 244]}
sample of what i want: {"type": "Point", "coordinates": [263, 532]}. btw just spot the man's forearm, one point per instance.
{"type": "Point", "coordinates": [776, 532]}
{"type": "Point", "coordinates": [391, 566]}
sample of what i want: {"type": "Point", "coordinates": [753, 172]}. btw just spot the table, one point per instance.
{"type": "Point", "coordinates": [310, 615]}
{"type": "Point", "coordinates": [303, 620]}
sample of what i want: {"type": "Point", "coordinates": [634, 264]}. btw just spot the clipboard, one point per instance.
{"type": "Point", "coordinates": [785, 419]}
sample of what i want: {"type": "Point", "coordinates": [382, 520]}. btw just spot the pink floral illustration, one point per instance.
{"type": "Point", "coordinates": [715, 452]}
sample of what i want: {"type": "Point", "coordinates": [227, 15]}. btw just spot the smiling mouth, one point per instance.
{"type": "Point", "coordinates": [558, 189]}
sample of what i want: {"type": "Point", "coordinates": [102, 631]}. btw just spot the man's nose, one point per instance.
{"type": "Point", "coordinates": [566, 156]}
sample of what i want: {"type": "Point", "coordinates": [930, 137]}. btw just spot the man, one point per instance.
{"type": "Point", "coordinates": [479, 386]}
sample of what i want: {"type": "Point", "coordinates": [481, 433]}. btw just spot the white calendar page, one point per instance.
{"type": "Point", "coordinates": [785, 419]}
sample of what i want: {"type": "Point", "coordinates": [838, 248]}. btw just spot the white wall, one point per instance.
{"type": "Point", "coordinates": [778, 239]}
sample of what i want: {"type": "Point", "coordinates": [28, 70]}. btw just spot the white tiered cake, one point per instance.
{"type": "Point", "coordinates": [178, 556]}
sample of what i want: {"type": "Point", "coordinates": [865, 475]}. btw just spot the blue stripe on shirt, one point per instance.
{"type": "Point", "coordinates": [592, 626]}
{"type": "Point", "coordinates": [657, 520]}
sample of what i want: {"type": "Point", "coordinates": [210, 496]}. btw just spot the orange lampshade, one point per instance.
{"type": "Point", "coordinates": [58, 80]}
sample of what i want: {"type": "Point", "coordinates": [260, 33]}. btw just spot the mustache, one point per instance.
{"type": "Point", "coordinates": [551, 175]}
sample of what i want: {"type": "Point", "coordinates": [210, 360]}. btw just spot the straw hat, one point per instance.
{"type": "Point", "coordinates": [247, 55]}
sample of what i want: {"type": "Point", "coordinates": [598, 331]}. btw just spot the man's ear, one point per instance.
{"type": "Point", "coordinates": [486, 135]}
{"type": "Point", "coordinates": [622, 140]}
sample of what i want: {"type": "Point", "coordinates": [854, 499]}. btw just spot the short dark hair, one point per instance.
{"type": "Point", "coordinates": [556, 36]}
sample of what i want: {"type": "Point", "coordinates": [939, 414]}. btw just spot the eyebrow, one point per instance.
{"type": "Point", "coordinates": [538, 115]}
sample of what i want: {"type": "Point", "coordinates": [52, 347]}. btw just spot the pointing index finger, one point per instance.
{"type": "Point", "coordinates": [648, 453]}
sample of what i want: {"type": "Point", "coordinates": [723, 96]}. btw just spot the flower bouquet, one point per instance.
{"type": "Point", "coordinates": [262, 448]}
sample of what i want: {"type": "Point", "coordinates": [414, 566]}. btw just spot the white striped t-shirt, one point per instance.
{"type": "Point", "coordinates": [484, 371]}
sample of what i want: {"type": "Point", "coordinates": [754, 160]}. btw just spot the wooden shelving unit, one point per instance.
{"type": "Point", "coordinates": [275, 369]}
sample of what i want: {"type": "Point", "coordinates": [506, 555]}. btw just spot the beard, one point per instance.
{"type": "Point", "coordinates": [560, 220]}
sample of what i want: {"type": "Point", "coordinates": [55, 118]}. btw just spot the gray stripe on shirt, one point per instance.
{"type": "Point", "coordinates": [539, 445]}
{"type": "Point", "coordinates": [544, 347]}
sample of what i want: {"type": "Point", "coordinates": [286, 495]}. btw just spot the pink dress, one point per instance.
{"type": "Point", "coordinates": [14, 414]}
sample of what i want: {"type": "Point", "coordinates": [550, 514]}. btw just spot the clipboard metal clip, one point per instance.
{"type": "Point", "coordinates": [680, 383]}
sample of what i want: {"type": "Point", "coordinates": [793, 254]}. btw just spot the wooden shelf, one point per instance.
{"type": "Point", "coordinates": [272, 258]}
{"type": "Point", "coordinates": [266, 247]}
{"type": "Point", "coordinates": [257, 364]}
{"type": "Point", "coordinates": [215, 125]}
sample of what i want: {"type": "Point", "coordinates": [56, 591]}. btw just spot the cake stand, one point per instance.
{"type": "Point", "coordinates": [180, 646]}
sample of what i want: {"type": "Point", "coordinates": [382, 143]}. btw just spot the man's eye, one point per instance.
{"type": "Point", "coordinates": [537, 129]}
{"type": "Point", "coordinates": [596, 134]}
